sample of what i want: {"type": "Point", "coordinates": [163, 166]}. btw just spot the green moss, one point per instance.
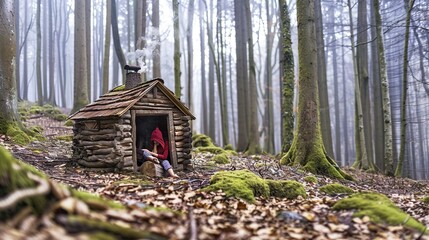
{"type": "Point", "coordinates": [221, 158]}
{"type": "Point", "coordinates": [231, 153]}
{"type": "Point", "coordinates": [18, 136]}
{"type": "Point", "coordinates": [379, 208]}
{"type": "Point", "coordinates": [69, 123]}
{"type": "Point", "coordinates": [212, 149]}
{"type": "Point", "coordinates": [92, 225]}
{"type": "Point", "coordinates": [229, 147]}
{"type": "Point", "coordinates": [60, 117]}
{"type": "Point", "coordinates": [96, 202]}
{"type": "Point", "coordinates": [14, 175]}
{"type": "Point", "coordinates": [118, 88]}
{"type": "Point", "coordinates": [311, 179]}
{"type": "Point", "coordinates": [67, 138]}
{"type": "Point", "coordinates": [286, 189]}
{"type": "Point", "coordinates": [201, 140]}
{"type": "Point", "coordinates": [425, 199]}
{"type": "Point", "coordinates": [240, 183]}
{"type": "Point", "coordinates": [313, 158]}
{"type": "Point", "coordinates": [335, 188]}
{"type": "Point", "coordinates": [101, 236]}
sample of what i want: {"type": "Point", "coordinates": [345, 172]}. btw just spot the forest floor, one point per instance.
{"type": "Point", "coordinates": [212, 215]}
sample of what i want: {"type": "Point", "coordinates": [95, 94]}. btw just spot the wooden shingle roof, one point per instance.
{"type": "Point", "coordinates": [117, 102]}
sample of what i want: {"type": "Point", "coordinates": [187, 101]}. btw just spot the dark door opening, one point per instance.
{"type": "Point", "coordinates": [144, 127]}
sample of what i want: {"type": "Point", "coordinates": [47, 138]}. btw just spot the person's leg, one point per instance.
{"type": "Point", "coordinates": [167, 166]}
{"type": "Point", "coordinates": [148, 156]}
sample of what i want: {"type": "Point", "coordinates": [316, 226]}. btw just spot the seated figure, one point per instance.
{"type": "Point", "coordinates": [158, 153]}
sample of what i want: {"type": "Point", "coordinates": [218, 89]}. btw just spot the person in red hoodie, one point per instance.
{"type": "Point", "coordinates": [159, 152]}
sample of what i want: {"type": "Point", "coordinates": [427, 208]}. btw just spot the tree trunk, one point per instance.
{"type": "Point", "coordinates": [80, 74]}
{"type": "Point", "coordinates": [307, 149]}
{"type": "Point", "coordinates": [211, 90]}
{"type": "Point", "coordinates": [378, 105]}
{"type": "Point", "coordinates": [268, 112]}
{"type": "Point", "coordinates": [204, 106]}
{"type": "Point", "coordinates": [88, 47]}
{"type": "Point", "coordinates": [252, 94]}
{"type": "Point", "coordinates": [8, 96]}
{"type": "Point", "coordinates": [219, 62]}
{"type": "Point", "coordinates": [25, 59]}
{"type": "Point", "coordinates": [242, 75]}
{"type": "Point", "coordinates": [45, 48]}
{"type": "Point", "coordinates": [361, 161]}
{"type": "Point", "coordinates": [177, 83]}
{"type": "Point", "coordinates": [39, 55]}
{"type": "Point", "coordinates": [18, 52]}
{"type": "Point", "coordinates": [287, 78]}
{"type": "Point", "coordinates": [362, 64]}
{"type": "Point", "coordinates": [325, 117]}
{"type": "Point", "coordinates": [387, 117]}
{"type": "Point", "coordinates": [190, 47]}
{"type": "Point", "coordinates": [51, 41]}
{"type": "Point", "coordinates": [106, 57]}
{"type": "Point", "coordinates": [346, 116]}
{"type": "Point", "coordinates": [157, 51]}
{"type": "Point", "coordinates": [403, 143]}
{"type": "Point", "coordinates": [116, 38]}
{"type": "Point", "coordinates": [338, 143]}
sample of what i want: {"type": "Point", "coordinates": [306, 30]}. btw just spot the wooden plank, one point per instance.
{"type": "Point", "coordinates": [133, 130]}
{"type": "Point", "coordinates": [173, 155]}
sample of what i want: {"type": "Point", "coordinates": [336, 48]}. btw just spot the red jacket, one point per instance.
{"type": "Point", "coordinates": [162, 149]}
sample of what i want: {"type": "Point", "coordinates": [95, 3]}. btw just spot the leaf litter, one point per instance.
{"type": "Point", "coordinates": [180, 209]}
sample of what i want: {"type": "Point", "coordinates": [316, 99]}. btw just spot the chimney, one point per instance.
{"type": "Point", "coordinates": [132, 79]}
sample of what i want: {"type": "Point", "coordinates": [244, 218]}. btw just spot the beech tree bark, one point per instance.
{"type": "Point", "coordinates": [80, 74]}
{"type": "Point", "coordinates": [307, 149]}
{"type": "Point", "coordinates": [8, 96]}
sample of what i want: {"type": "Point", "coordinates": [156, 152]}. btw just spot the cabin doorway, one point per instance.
{"type": "Point", "coordinates": [145, 124]}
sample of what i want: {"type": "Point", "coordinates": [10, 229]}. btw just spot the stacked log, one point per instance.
{"type": "Point", "coordinates": [182, 138]}
{"type": "Point", "coordinates": [108, 145]}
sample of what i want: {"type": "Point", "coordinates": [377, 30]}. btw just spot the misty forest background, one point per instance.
{"type": "Point", "coordinates": [205, 54]}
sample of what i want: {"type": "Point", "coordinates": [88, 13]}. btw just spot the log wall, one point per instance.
{"type": "Point", "coordinates": [107, 145]}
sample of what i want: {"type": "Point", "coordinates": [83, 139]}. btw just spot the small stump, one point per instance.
{"type": "Point", "coordinates": [151, 169]}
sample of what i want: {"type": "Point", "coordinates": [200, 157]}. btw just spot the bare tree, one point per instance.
{"type": "Point", "coordinates": [107, 46]}
{"type": "Point", "coordinates": [387, 117]}
{"type": "Point", "coordinates": [157, 51]}
{"type": "Point", "coordinates": [80, 65]}
{"type": "Point", "coordinates": [398, 170]}
{"type": "Point", "coordinates": [39, 55]}
{"type": "Point", "coordinates": [177, 83]}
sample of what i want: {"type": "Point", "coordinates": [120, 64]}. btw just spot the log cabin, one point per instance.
{"type": "Point", "coordinates": [109, 131]}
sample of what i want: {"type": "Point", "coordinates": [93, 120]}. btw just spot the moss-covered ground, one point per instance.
{"type": "Point", "coordinates": [379, 208]}
{"type": "Point", "coordinates": [336, 188]}
{"type": "Point", "coordinates": [247, 185]}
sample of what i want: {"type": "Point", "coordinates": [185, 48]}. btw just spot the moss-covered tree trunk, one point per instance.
{"type": "Point", "coordinates": [287, 77]}
{"type": "Point", "coordinates": [307, 149]}
{"type": "Point", "coordinates": [8, 94]}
